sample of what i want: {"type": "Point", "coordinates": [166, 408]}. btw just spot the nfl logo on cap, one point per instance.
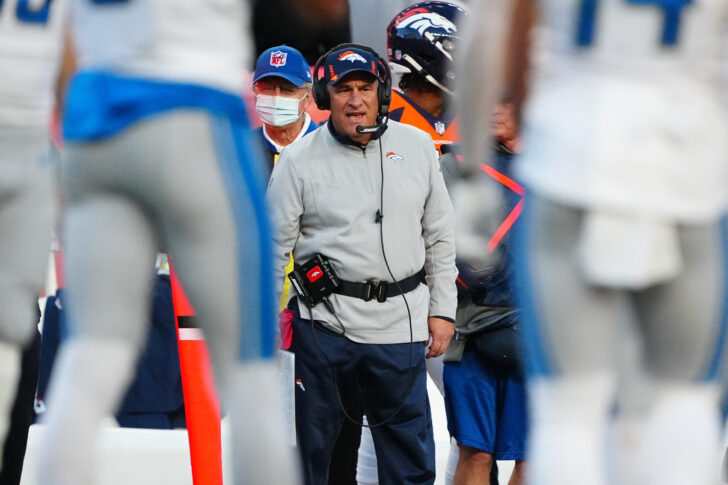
{"type": "Point", "coordinates": [278, 58]}
{"type": "Point", "coordinates": [284, 62]}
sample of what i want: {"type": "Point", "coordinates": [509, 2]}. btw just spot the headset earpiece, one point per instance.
{"type": "Point", "coordinates": [384, 89]}
{"type": "Point", "coordinates": [385, 86]}
{"type": "Point", "coordinates": [320, 91]}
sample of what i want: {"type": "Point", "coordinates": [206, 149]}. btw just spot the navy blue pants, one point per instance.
{"type": "Point", "coordinates": [404, 444]}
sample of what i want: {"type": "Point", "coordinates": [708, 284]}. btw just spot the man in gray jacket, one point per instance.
{"type": "Point", "coordinates": [369, 196]}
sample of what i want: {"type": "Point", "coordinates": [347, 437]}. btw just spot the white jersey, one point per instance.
{"type": "Point", "coordinates": [202, 42]}
{"type": "Point", "coordinates": [31, 45]}
{"type": "Point", "coordinates": [627, 109]}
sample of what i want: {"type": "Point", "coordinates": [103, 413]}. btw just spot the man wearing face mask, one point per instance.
{"type": "Point", "coordinates": [282, 87]}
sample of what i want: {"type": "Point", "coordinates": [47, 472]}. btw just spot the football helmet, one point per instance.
{"type": "Point", "coordinates": [421, 39]}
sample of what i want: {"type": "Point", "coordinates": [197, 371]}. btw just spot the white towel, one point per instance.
{"type": "Point", "coordinates": [628, 251]}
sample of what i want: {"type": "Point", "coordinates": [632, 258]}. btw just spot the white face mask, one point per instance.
{"type": "Point", "coordinates": [277, 110]}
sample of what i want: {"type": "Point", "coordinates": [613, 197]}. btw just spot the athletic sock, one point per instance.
{"type": "Point", "coordinates": [625, 462]}
{"type": "Point", "coordinates": [89, 377]}
{"type": "Point", "coordinates": [9, 374]}
{"type": "Point", "coordinates": [452, 461]}
{"type": "Point", "coordinates": [261, 452]}
{"type": "Point", "coordinates": [682, 435]}
{"type": "Point", "coordinates": [568, 434]}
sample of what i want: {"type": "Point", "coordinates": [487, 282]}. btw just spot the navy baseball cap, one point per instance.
{"type": "Point", "coordinates": [283, 61]}
{"type": "Point", "coordinates": [347, 60]}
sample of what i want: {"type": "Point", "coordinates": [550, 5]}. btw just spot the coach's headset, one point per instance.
{"type": "Point", "coordinates": [384, 86]}
{"type": "Point", "coordinates": [384, 98]}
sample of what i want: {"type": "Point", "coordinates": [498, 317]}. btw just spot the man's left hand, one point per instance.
{"type": "Point", "coordinates": [441, 331]}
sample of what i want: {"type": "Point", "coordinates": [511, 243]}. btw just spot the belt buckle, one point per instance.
{"type": "Point", "coordinates": [378, 290]}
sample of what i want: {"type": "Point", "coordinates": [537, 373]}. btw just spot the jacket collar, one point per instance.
{"type": "Point", "coordinates": [345, 140]}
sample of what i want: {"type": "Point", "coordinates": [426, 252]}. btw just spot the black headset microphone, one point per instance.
{"type": "Point", "coordinates": [384, 98]}
{"type": "Point", "coordinates": [373, 128]}
{"type": "Point", "coordinates": [368, 129]}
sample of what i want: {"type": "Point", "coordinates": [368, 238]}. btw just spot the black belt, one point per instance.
{"type": "Point", "coordinates": [380, 290]}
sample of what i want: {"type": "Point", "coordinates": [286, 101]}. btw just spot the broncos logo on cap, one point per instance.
{"type": "Point", "coordinates": [423, 20]}
{"type": "Point", "coordinates": [351, 56]}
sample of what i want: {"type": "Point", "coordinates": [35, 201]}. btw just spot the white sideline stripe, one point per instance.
{"type": "Point", "coordinates": [191, 334]}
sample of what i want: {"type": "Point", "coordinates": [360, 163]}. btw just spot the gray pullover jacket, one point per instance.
{"type": "Point", "coordinates": [323, 197]}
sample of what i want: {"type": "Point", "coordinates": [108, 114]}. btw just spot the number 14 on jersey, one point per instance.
{"type": "Point", "coordinates": [671, 9]}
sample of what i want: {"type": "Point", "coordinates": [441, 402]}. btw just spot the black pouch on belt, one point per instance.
{"type": "Point", "coordinates": [314, 280]}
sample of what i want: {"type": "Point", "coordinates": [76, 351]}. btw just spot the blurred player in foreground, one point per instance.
{"type": "Point", "coordinates": [625, 160]}
{"type": "Point", "coordinates": [158, 158]}
{"type": "Point", "coordinates": [31, 47]}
